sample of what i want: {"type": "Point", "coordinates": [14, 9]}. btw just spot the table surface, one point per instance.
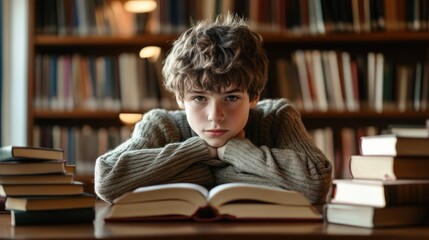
{"type": "Point", "coordinates": [206, 230]}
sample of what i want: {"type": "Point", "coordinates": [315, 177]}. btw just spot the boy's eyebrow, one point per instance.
{"type": "Point", "coordinates": [196, 92]}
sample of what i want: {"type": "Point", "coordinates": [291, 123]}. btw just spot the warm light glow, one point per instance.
{"type": "Point", "coordinates": [140, 6]}
{"type": "Point", "coordinates": [130, 118]}
{"type": "Point", "coordinates": [152, 52]}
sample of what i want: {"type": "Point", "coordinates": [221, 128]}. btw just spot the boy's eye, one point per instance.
{"type": "Point", "coordinates": [231, 98]}
{"type": "Point", "coordinates": [199, 98]}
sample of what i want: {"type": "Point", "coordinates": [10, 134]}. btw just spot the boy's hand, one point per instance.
{"type": "Point", "coordinates": [221, 150]}
{"type": "Point", "coordinates": [213, 151]}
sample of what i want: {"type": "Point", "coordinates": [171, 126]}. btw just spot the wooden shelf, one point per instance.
{"type": "Point", "coordinates": [269, 38]}
{"type": "Point", "coordinates": [78, 118]}
{"type": "Point", "coordinates": [363, 118]}
{"type": "Point", "coordinates": [348, 37]}
{"type": "Point", "coordinates": [364, 114]}
{"type": "Point", "coordinates": [76, 114]}
{"type": "Point", "coordinates": [102, 41]}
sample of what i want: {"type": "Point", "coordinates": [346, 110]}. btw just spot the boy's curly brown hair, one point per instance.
{"type": "Point", "coordinates": [215, 55]}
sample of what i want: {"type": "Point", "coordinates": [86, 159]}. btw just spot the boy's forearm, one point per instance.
{"type": "Point", "coordinates": [125, 169]}
{"type": "Point", "coordinates": [309, 173]}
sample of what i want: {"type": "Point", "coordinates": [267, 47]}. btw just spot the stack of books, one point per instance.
{"type": "Point", "coordinates": [37, 188]}
{"type": "Point", "coordinates": [390, 184]}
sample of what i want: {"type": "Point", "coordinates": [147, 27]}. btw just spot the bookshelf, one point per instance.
{"type": "Point", "coordinates": [401, 39]}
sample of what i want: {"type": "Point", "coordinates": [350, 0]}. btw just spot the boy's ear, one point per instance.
{"type": "Point", "coordinates": [254, 101]}
{"type": "Point", "coordinates": [180, 103]}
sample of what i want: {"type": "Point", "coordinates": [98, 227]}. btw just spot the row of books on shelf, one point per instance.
{"type": "Point", "coordinates": [125, 81]}
{"type": "Point", "coordinates": [38, 187]}
{"type": "Point", "coordinates": [322, 80]}
{"type": "Point", "coordinates": [334, 16]}
{"type": "Point", "coordinates": [337, 16]}
{"type": "Point", "coordinates": [87, 17]}
{"type": "Point", "coordinates": [316, 80]}
{"type": "Point", "coordinates": [91, 17]}
{"type": "Point", "coordinates": [390, 184]}
{"type": "Point", "coordinates": [81, 145]}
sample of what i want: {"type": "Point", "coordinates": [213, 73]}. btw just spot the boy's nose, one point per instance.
{"type": "Point", "coordinates": [216, 113]}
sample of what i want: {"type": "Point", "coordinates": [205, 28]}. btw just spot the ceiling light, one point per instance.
{"type": "Point", "coordinates": [140, 6]}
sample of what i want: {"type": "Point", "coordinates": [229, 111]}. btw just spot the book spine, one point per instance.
{"type": "Point", "coordinates": [406, 194]}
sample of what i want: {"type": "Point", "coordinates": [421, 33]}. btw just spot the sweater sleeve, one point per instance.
{"type": "Point", "coordinates": [152, 155]}
{"type": "Point", "coordinates": [291, 161]}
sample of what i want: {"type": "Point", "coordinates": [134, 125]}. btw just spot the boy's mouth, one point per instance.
{"type": "Point", "coordinates": [216, 132]}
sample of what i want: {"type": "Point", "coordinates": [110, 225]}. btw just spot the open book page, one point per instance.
{"type": "Point", "coordinates": [165, 201]}
{"type": "Point", "coordinates": [250, 201]}
{"type": "Point", "coordinates": [189, 192]}
{"type": "Point", "coordinates": [153, 210]}
{"type": "Point", "coordinates": [225, 193]}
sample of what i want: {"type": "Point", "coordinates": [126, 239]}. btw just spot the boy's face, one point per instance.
{"type": "Point", "coordinates": [217, 116]}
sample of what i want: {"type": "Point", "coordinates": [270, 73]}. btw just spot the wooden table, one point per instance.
{"type": "Point", "coordinates": [212, 230]}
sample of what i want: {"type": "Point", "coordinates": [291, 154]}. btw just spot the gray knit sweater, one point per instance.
{"type": "Point", "coordinates": [163, 148]}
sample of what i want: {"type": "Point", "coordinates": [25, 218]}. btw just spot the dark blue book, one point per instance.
{"type": "Point", "coordinates": [61, 216]}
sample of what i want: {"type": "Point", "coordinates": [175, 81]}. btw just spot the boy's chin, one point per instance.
{"type": "Point", "coordinates": [215, 144]}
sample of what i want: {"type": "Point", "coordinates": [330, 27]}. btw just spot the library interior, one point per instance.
{"type": "Point", "coordinates": [77, 75]}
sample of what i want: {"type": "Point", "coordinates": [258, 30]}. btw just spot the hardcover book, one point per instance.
{"type": "Point", "coordinates": [393, 145]}
{"type": "Point", "coordinates": [38, 203]}
{"type": "Point", "coordinates": [36, 179]}
{"type": "Point", "coordinates": [28, 168]}
{"type": "Point", "coordinates": [389, 167]}
{"type": "Point", "coordinates": [374, 217]}
{"type": "Point", "coordinates": [232, 201]}
{"type": "Point", "coordinates": [10, 190]}
{"type": "Point", "coordinates": [28, 152]}
{"type": "Point", "coordinates": [379, 193]}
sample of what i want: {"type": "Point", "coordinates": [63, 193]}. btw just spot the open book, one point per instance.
{"type": "Point", "coordinates": [233, 201]}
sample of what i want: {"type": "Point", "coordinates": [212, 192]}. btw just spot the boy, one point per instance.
{"type": "Point", "coordinates": [223, 132]}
